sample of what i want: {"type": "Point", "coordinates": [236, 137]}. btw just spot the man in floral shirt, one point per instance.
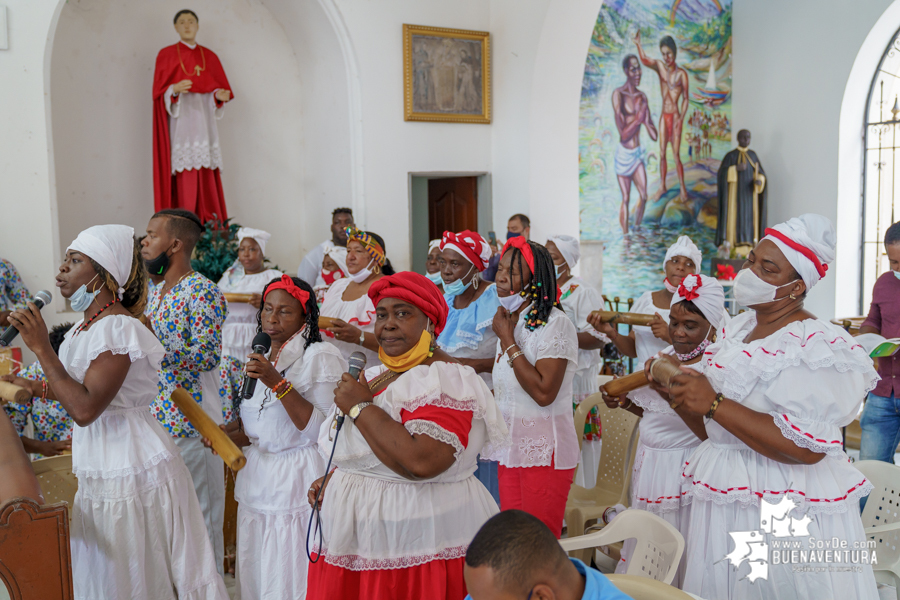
{"type": "Point", "coordinates": [186, 312]}
{"type": "Point", "coordinates": [13, 293]}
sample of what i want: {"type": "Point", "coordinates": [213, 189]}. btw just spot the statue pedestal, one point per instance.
{"type": "Point", "coordinates": [591, 263]}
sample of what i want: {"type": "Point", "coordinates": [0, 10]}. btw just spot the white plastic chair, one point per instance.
{"type": "Point", "coordinates": [658, 546]}
{"type": "Point", "coordinates": [641, 588]}
{"type": "Point", "coordinates": [881, 518]}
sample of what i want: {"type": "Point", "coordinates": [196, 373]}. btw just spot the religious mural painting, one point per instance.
{"type": "Point", "coordinates": [655, 116]}
{"type": "Point", "coordinates": [447, 75]}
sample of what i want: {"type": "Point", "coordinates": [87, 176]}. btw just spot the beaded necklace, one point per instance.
{"type": "Point", "coordinates": [96, 314]}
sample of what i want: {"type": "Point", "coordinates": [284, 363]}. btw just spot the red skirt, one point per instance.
{"type": "Point", "coordinates": [200, 191]}
{"type": "Point", "coordinates": [435, 580]}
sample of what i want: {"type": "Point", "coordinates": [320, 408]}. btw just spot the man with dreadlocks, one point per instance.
{"type": "Point", "coordinates": [537, 356]}
{"type": "Point", "coordinates": [281, 422]}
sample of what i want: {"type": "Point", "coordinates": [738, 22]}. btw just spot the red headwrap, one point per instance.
{"type": "Point", "coordinates": [287, 284]}
{"type": "Point", "coordinates": [472, 246]}
{"type": "Point", "coordinates": [415, 289]}
{"type": "Point", "coordinates": [522, 244]}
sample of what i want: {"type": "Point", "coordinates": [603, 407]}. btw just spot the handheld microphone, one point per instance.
{"type": "Point", "coordinates": [356, 363]}
{"type": "Point", "coordinates": [261, 344]}
{"type": "Point", "coordinates": [41, 299]}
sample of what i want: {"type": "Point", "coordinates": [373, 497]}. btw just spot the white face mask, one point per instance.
{"type": "Point", "coordinates": [750, 290]}
{"type": "Point", "coordinates": [513, 302]}
{"type": "Point", "coordinates": [362, 274]}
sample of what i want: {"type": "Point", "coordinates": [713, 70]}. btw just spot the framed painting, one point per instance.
{"type": "Point", "coordinates": [446, 75]}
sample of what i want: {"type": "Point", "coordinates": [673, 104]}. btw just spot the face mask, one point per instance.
{"type": "Point", "coordinates": [82, 298]}
{"type": "Point", "coordinates": [435, 278]}
{"type": "Point", "coordinates": [560, 269]}
{"type": "Point", "coordinates": [671, 288]}
{"type": "Point", "coordinates": [414, 357]}
{"type": "Point", "coordinates": [330, 277]}
{"type": "Point", "coordinates": [896, 274]}
{"type": "Point", "coordinates": [158, 266]}
{"type": "Point", "coordinates": [750, 290]}
{"type": "Point", "coordinates": [510, 235]}
{"type": "Point", "coordinates": [696, 351]}
{"type": "Point", "coordinates": [513, 302]}
{"type": "Point", "coordinates": [458, 287]}
{"type": "Point", "coordinates": [362, 274]}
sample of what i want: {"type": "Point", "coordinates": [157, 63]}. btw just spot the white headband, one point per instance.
{"type": "Point", "coordinates": [339, 255]}
{"type": "Point", "coordinates": [260, 236]}
{"type": "Point", "coordinates": [706, 293]}
{"type": "Point", "coordinates": [812, 232]}
{"type": "Point", "coordinates": [569, 247]}
{"type": "Point", "coordinates": [434, 244]}
{"type": "Point", "coordinates": [110, 246]}
{"type": "Point", "coordinates": [684, 246]}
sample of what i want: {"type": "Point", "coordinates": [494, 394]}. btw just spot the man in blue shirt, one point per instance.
{"type": "Point", "coordinates": [514, 556]}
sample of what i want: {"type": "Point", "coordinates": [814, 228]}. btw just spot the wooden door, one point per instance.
{"type": "Point", "coordinates": [452, 205]}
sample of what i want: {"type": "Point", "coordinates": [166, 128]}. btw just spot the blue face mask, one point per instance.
{"type": "Point", "coordinates": [82, 298]}
{"type": "Point", "coordinates": [510, 235]}
{"type": "Point", "coordinates": [458, 287]}
{"type": "Point", "coordinates": [435, 278]}
{"type": "Point", "coordinates": [896, 274]}
{"type": "Point", "coordinates": [559, 269]}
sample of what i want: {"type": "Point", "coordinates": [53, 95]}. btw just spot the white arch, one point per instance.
{"type": "Point", "coordinates": [850, 161]}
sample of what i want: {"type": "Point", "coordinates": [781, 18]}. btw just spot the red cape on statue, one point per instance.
{"type": "Point", "coordinates": [173, 64]}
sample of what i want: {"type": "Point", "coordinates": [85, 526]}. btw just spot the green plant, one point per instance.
{"type": "Point", "coordinates": [216, 250]}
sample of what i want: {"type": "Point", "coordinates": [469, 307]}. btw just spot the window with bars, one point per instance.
{"type": "Point", "coordinates": [881, 189]}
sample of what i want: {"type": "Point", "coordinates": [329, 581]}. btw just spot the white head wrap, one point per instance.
{"type": "Point", "coordinates": [569, 247]}
{"type": "Point", "coordinates": [706, 293]}
{"type": "Point", "coordinates": [684, 246]}
{"type": "Point", "coordinates": [434, 244]}
{"type": "Point", "coordinates": [339, 255]}
{"type": "Point", "coordinates": [112, 247]}
{"type": "Point", "coordinates": [259, 235]}
{"type": "Point", "coordinates": [814, 233]}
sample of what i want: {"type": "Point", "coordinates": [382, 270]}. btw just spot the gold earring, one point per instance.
{"type": "Point", "coordinates": [792, 297]}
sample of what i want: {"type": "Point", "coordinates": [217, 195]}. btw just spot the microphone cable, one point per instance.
{"type": "Point", "coordinates": [316, 514]}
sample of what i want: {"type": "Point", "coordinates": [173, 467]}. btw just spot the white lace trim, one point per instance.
{"type": "Point", "coordinates": [79, 365]}
{"type": "Point", "coordinates": [353, 562]}
{"type": "Point", "coordinates": [301, 510]}
{"type": "Point", "coordinates": [600, 336]}
{"type": "Point", "coordinates": [436, 432]}
{"type": "Point", "coordinates": [804, 439]}
{"type": "Point", "coordinates": [196, 156]}
{"type": "Point", "coordinates": [651, 401]}
{"type": "Point", "coordinates": [168, 475]}
{"type": "Point", "coordinates": [660, 505]}
{"type": "Point", "coordinates": [469, 340]}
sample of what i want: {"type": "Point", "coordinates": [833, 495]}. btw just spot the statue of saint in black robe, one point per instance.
{"type": "Point", "coordinates": [742, 195]}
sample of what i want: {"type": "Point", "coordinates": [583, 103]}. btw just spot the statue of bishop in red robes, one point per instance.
{"type": "Point", "coordinates": [189, 94]}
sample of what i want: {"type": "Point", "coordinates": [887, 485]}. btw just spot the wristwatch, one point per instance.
{"type": "Point", "coordinates": [354, 412]}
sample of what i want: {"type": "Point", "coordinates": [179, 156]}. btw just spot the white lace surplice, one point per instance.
{"type": "Point", "coordinates": [137, 528]}
{"type": "Point", "coordinates": [540, 434]}
{"type": "Point", "coordinates": [810, 377]}
{"type": "Point", "coordinates": [193, 132]}
{"type": "Point", "coordinates": [239, 327]}
{"type": "Point", "coordinates": [375, 519]}
{"type": "Point", "coordinates": [282, 463]}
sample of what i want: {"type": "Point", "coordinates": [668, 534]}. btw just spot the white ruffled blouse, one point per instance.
{"type": "Point", "coordinates": [359, 312]}
{"type": "Point", "coordinates": [578, 298]}
{"type": "Point", "coordinates": [646, 344]}
{"type": "Point", "coordinates": [282, 460]}
{"type": "Point", "coordinates": [374, 518]}
{"type": "Point", "coordinates": [540, 434]}
{"type": "Point", "coordinates": [811, 377]}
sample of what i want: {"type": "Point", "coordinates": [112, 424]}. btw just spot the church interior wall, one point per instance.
{"type": "Point", "coordinates": [295, 144]}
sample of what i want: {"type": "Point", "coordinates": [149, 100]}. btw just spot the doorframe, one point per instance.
{"type": "Point", "coordinates": [417, 185]}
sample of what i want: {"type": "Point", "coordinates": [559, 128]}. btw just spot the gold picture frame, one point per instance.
{"type": "Point", "coordinates": [446, 75]}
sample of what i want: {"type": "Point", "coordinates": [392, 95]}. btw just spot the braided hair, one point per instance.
{"type": "Point", "coordinates": [542, 291]}
{"type": "Point", "coordinates": [312, 334]}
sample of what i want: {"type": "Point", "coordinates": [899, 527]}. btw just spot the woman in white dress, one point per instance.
{"type": "Point", "coordinates": [295, 391]}
{"type": "Point", "coordinates": [537, 356]}
{"type": "Point", "coordinates": [578, 298]}
{"type": "Point", "coordinates": [137, 529]}
{"type": "Point", "coordinates": [776, 389]}
{"type": "Point", "coordinates": [347, 303]}
{"type": "Point", "coordinates": [682, 258]}
{"type": "Point", "coordinates": [402, 506]}
{"type": "Point", "coordinates": [248, 275]}
{"type": "Point", "coordinates": [668, 437]}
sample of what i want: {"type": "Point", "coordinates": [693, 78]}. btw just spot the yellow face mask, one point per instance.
{"type": "Point", "coordinates": [416, 355]}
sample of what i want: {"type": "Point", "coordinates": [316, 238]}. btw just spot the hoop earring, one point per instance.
{"type": "Point", "coordinates": [475, 282]}
{"type": "Point", "coordinates": [377, 270]}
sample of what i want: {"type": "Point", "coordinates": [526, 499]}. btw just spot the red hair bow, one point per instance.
{"type": "Point", "coordinates": [689, 286]}
{"type": "Point", "coordinates": [287, 284]}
